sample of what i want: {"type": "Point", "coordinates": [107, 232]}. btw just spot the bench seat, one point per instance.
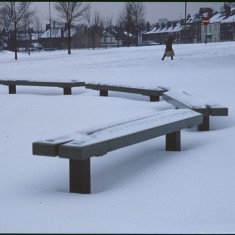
{"type": "Point", "coordinates": [80, 146]}
{"type": "Point", "coordinates": [66, 85]}
{"type": "Point", "coordinates": [153, 93]}
{"type": "Point", "coordinates": [194, 102]}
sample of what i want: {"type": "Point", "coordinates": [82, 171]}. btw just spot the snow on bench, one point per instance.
{"type": "Point", "coordinates": [80, 146]}
{"type": "Point", "coordinates": [197, 103]}
{"type": "Point", "coordinates": [153, 93]}
{"type": "Point", "coordinates": [66, 85]}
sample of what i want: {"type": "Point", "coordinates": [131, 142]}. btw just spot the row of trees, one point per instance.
{"type": "Point", "coordinates": [14, 13]}
{"type": "Point", "coordinates": [21, 15]}
{"type": "Point", "coordinates": [18, 15]}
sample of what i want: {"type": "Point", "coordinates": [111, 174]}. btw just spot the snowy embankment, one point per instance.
{"type": "Point", "coordinates": [137, 189]}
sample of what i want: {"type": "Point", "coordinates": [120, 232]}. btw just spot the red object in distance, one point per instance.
{"type": "Point", "coordinates": [205, 21]}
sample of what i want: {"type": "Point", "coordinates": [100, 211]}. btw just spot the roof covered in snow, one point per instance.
{"type": "Point", "coordinates": [57, 33]}
{"type": "Point", "coordinates": [221, 17]}
{"type": "Point", "coordinates": [171, 29]}
{"type": "Point", "coordinates": [217, 18]}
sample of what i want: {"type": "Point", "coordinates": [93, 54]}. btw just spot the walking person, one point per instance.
{"type": "Point", "coordinates": [169, 52]}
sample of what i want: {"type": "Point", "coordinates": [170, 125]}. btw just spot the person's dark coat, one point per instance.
{"type": "Point", "coordinates": [169, 52]}
{"type": "Point", "coordinates": [169, 43]}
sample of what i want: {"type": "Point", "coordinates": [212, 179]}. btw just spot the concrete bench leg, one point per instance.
{"type": "Point", "coordinates": [12, 89]}
{"type": "Point", "coordinates": [173, 141]}
{"type": "Point", "coordinates": [154, 98]}
{"type": "Point", "coordinates": [103, 92]}
{"type": "Point", "coordinates": [79, 176]}
{"type": "Point", "coordinates": [205, 125]}
{"type": "Point", "coordinates": [67, 90]}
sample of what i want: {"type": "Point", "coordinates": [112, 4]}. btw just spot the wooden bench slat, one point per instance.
{"type": "Point", "coordinates": [218, 111]}
{"type": "Point", "coordinates": [42, 83]}
{"type": "Point", "coordinates": [185, 100]}
{"type": "Point", "coordinates": [154, 93]}
{"type": "Point", "coordinates": [73, 151]}
{"type": "Point", "coordinates": [50, 147]}
{"type": "Point", "coordinates": [47, 149]}
{"type": "Point", "coordinates": [66, 85]}
{"type": "Point", "coordinates": [182, 100]}
{"type": "Point", "coordinates": [143, 91]}
{"type": "Point", "coordinates": [102, 141]}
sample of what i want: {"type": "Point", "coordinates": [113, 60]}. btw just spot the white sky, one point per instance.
{"type": "Point", "coordinates": [154, 10]}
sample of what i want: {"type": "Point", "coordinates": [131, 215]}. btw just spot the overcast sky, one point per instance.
{"type": "Point", "coordinates": [154, 10]}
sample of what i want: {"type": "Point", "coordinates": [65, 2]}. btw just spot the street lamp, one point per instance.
{"type": "Point", "coordinates": [50, 21]}
{"type": "Point", "coordinates": [185, 16]}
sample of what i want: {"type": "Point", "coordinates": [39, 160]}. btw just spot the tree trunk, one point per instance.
{"type": "Point", "coordinates": [15, 35]}
{"type": "Point", "coordinates": [69, 39]}
{"type": "Point", "coordinates": [93, 37]}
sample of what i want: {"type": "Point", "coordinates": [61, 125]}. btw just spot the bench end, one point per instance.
{"type": "Point", "coordinates": [45, 149]}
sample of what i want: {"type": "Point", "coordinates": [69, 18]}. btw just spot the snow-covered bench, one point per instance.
{"type": "Point", "coordinates": [80, 146]}
{"type": "Point", "coordinates": [153, 93]}
{"type": "Point", "coordinates": [197, 103]}
{"type": "Point", "coordinates": [66, 85]}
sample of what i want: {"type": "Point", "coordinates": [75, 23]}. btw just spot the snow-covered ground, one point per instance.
{"type": "Point", "coordinates": [137, 189]}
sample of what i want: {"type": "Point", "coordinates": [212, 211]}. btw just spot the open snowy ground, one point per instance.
{"type": "Point", "coordinates": [137, 189]}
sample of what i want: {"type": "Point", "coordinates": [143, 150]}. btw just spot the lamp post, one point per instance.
{"type": "Point", "coordinates": [185, 17]}
{"type": "Point", "coordinates": [50, 21]}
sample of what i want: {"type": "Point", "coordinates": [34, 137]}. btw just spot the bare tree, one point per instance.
{"type": "Point", "coordinates": [127, 20]}
{"type": "Point", "coordinates": [132, 17]}
{"type": "Point", "coordinates": [107, 22]}
{"type": "Point", "coordinates": [138, 13]}
{"type": "Point", "coordinates": [227, 9]}
{"type": "Point", "coordinates": [37, 25]}
{"type": "Point", "coordinates": [94, 23]}
{"type": "Point", "coordinates": [25, 25]}
{"type": "Point", "coordinates": [4, 24]}
{"type": "Point", "coordinates": [17, 12]}
{"type": "Point", "coordinates": [4, 17]}
{"type": "Point", "coordinates": [70, 12]}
